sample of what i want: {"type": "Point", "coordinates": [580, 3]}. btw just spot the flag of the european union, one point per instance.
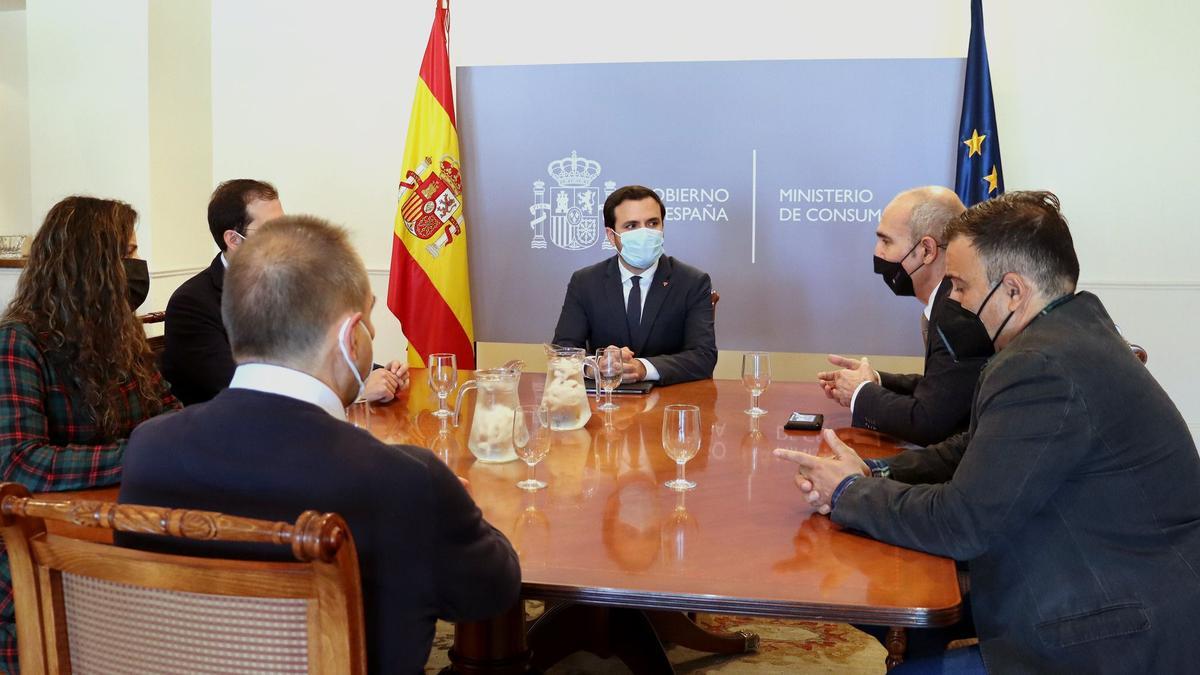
{"type": "Point", "coordinates": [980, 175]}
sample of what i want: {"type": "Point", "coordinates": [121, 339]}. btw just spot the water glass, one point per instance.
{"type": "Point", "coordinates": [610, 366]}
{"type": "Point", "coordinates": [531, 440]}
{"type": "Point", "coordinates": [443, 377]}
{"type": "Point", "coordinates": [681, 439]}
{"type": "Point", "coordinates": [756, 377]}
{"type": "Point", "coordinates": [359, 414]}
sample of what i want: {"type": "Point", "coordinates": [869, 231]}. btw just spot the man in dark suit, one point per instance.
{"type": "Point", "coordinates": [1073, 493]}
{"type": "Point", "coordinates": [276, 443]}
{"type": "Point", "coordinates": [921, 409]}
{"type": "Point", "coordinates": [656, 308]}
{"type": "Point", "coordinates": [196, 358]}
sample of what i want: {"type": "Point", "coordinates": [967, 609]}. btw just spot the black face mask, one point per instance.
{"type": "Point", "coordinates": [137, 275]}
{"type": "Point", "coordinates": [963, 332]}
{"type": "Point", "coordinates": [895, 276]}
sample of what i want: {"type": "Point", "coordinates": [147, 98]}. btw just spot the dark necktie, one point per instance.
{"type": "Point", "coordinates": [633, 310]}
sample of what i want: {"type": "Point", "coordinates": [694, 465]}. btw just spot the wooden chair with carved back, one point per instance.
{"type": "Point", "coordinates": [157, 342]}
{"type": "Point", "coordinates": [94, 607]}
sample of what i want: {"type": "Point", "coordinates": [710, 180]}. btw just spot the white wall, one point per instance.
{"type": "Point", "coordinates": [88, 113]}
{"type": "Point", "coordinates": [16, 214]}
{"type": "Point", "coordinates": [180, 113]}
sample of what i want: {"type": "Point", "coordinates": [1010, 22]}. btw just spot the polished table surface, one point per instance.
{"type": "Point", "coordinates": [606, 531]}
{"type": "Point", "coordinates": [744, 541]}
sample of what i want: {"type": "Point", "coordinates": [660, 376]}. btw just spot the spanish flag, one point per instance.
{"type": "Point", "coordinates": [429, 290]}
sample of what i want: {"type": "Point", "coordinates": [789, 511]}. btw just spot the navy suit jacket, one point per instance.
{"type": "Point", "coordinates": [922, 409]}
{"type": "Point", "coordinates": [196, 358]}
{"type": "Point", "coordinates": [1075, 495]}
{"type": "Point", "coordinates": [424, 549]}
{"type": "Point", "coordinates": [677, 331]}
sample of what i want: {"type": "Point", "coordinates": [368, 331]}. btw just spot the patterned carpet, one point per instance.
{"type": "Point", "coordinates": [786, 647]}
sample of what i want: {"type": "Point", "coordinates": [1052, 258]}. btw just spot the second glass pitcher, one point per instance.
{"type": "Point", "coordinates": [565, 395]}
{"type": "Point", "coordinates": [490, 439]}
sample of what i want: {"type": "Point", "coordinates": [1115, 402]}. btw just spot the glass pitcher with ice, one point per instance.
{"type": "Point", "coordinates": [496, 399]}
{"type": "Point", "coordinates": [565, 395]}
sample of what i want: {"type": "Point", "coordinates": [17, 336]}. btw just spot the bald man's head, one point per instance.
{"type": "Point", "coordinates": [287, 285]}
{"type": "Point", "coordinates": [911, 234]}
{"type": "Point", "coordinates": [927, 211]}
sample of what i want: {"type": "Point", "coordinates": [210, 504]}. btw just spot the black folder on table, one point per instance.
{"type": "Point", "coordinates": [639, 388]}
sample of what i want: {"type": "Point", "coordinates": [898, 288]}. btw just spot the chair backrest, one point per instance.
{"type": "Point", "coordinates": [157, 342]}
{"type": "Point", "coordinates": [1140, 352]}
{"type": "Point", "coordinates": [94, 607]}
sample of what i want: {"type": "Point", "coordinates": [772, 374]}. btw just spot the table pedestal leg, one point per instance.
{"type": "Point", "coordinates": [896, 642]}
{"type": "Point", "coordinates": [682, 629]}
{"type": "Point", "coordinates": [494, 646]}
{"type": "Point", "coordinates": [604, 631]}
{"type": "Point", "coordinates": [634, 636]}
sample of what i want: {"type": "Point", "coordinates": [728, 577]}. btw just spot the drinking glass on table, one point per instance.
{"type": "Point", "coordinates": [531, 440]}
{"type": "Point", "coordinates": [610, 366]}
{"type": "Point", "coordinates": [681, 439]}
{"type": "Point", "coordinates": [358, 413]}
{"type": "Point", "coordinates": [756, 377]}
{"type": "Point", "coordinates": [443, 377]}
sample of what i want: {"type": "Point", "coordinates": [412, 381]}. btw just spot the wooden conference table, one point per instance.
{"type": "Point", "coordinates": [615, 553]}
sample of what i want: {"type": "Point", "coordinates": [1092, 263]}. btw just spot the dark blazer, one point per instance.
{"type": "Point", "coordinates": [424, 549]}
{"type": "Point", "coordinates": [196, 358]}
{"type": "Point", "coordinates": [922, 409]}
{"type": "Point", "coordinates": [1075, 495]}
{"type": "Point", "coordinates": [676, 334]}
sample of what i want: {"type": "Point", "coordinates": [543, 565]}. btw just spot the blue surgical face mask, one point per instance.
{"type": "Point", "coordinates": [640, 248]}
{"type": "Point", "coordinates": [358, 377]}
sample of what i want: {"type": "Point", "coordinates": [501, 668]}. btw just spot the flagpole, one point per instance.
{"type": "Point", "coordinates": [446, 22]}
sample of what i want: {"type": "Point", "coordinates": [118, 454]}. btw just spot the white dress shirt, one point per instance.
{"type": "Point", "coordinates": [647, 277]}
{"type": "Point", "coordinates": [928, 312]}
{"type": "Point", "coordinates": [283, 381]}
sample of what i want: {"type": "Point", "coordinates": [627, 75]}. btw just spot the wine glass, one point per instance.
{"type": "Point", "coordinates": [444, 445]}
{"type": "Point", "coordinates": [531, 440]}
{"type": "Point", "coordinates": [358, 413]}
{"type": "Point", "coordinates": [443, 376]}
{"type": "Point", "coordinates": [756, 377]}
{"type": "Point", "coordinates": [681, 439]}
{"type": "Point", "coordinates": [610, 366]}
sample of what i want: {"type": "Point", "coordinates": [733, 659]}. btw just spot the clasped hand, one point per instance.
{"type": "Point", "coordinates": [635, 371]}
{"type": "Point", "coordinates": [840, 385]}
{"type": "Point", "coordinates": [817, 477]}
{"type": "Point", "coordinates": [383, 383]}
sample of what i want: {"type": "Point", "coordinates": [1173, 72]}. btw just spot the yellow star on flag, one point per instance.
{"type": "Point", "coordinates": [993, 180]}
{"type": "Point", "coordinates": [974, 143]}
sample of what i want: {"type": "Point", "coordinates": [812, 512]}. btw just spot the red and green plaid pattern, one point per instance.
{"type": "Point", "coordinates": [47, 444]}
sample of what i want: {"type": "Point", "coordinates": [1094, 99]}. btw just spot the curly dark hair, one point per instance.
{"type": "Point", "coordinates": [73, 297]}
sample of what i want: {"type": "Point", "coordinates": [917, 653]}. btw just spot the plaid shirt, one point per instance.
{"type": "Point", "coordinates": [47, 444]}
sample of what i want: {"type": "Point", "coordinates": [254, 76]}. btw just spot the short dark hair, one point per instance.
{"type": "Point", "coordinates": [1023, 232]}
{"type": "Point", "coordinates": [286, 285]}
{"type": "Point", "coordinates": [227, 206]}
{"type": "Point", "coordinates": [629, 193]}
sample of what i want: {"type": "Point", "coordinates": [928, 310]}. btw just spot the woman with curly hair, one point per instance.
{"type": "Point", "coordinates": [76, 372]}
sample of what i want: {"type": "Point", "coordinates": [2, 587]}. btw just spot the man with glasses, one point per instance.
{"type": "Point", "coordinates": [197, 360]}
